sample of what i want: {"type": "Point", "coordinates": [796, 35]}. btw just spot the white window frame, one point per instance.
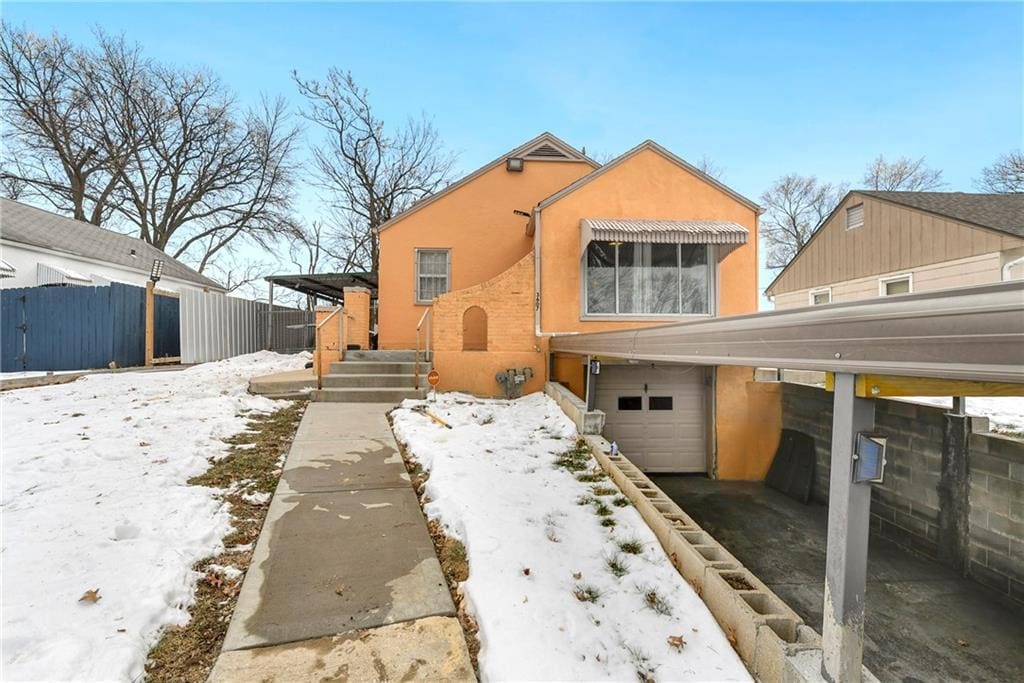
{"type": "Point", "coordinates": [851, 208]}
{"type": "Point", "coordinates": [712, 301]}
{"type": "Point", "coordinates": [448, 273]}
{"type": "Point", "coordinates": [819, 290]}
{"type": "Point", "coordinates": [883, 281]}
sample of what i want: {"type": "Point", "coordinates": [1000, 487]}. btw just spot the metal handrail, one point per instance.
{"type": "Point", "coordinates": [425, 318]}
{"type": "Point", "coordinates": [319, 351]}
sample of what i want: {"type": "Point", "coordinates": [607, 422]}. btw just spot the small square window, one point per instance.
{"type": "Point", "coordinates": [819, 297]}
{"type": "Point", "coordinates": [659, 403]}
{"type": "Point", "coordinates": [896, 285]}
{"type": "Point", "coordinates": [855, 217]}
{"type": "Point", "coordinates": [631, 403]}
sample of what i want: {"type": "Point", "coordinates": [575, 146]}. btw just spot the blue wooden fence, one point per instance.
{"type": "Point", "coordinates": [75, 328]}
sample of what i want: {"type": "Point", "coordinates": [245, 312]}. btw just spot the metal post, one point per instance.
{"type": "Point", "coordinates": [270, 316]}
{"type": "Point", "coordinates": [849, 509]}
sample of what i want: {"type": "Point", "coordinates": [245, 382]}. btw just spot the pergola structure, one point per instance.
{"type": "Point", "coordinates": [326, 286]}
{"type": "Point", "coordinates": [962, 342]}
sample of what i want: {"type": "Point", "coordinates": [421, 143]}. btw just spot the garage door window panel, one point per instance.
{"type": "Point", "coordinates": [639, 278]}
{"type": "Point", "coordinates": [659, 403]}
{"type": "Point", "coordinates": [631, 403]}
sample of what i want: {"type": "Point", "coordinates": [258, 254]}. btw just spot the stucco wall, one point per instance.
{"type": "Point", "coordinates": [508, 302]}
{"type": "Point", "coordinates": [476, 221]}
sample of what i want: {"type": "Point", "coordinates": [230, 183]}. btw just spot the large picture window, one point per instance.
{"type": "Point", "coordinates": [639, 278]}
{"type": "Point", "coordinates": [432, 274]}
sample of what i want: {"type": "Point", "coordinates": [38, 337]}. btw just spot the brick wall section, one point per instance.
{"type": "Point", "coordinates": [905, 507]}
{"type": "Point", "coordinates": [327, 350]}
{"type": "Point", "coordinates": [507, 299]}
{"type": "Point", "coordinates": [996, 539]}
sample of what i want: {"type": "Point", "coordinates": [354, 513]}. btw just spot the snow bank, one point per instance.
{"type": "Point", "coordinates": [1004, 413]}
{"type": "Point", "coordinates": [494, 485]}
{"type": "Point", "coordinates": [94, 496]}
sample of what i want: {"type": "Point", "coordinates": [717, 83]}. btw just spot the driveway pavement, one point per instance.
{"type": "Point", "coordinates": [923, 622]}
{"type": "Point", "coordinates": [344, 551]}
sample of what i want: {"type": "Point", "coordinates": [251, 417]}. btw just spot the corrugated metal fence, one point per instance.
{"type": "Point", "coordinates": [216, 326]}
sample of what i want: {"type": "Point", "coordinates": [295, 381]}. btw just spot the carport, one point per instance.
{"type": "Point", "coordinates": [957, 342]}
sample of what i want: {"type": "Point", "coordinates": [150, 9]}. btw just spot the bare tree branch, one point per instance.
{"type": "Point", "coordinates": [371, 175]}
{"type": "Point", "coordinates": [794, 207]}
{"type": "Point", "coordinates": [905, 174]}
{"type": "Point", "coordinates": [1004, 176]}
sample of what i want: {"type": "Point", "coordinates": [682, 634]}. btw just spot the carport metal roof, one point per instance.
{"type": "Point", "coordinates": [329, 286]}
{"type": "Point", "coordinates": [973, 333]}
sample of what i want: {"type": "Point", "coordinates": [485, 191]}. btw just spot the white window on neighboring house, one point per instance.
{"type": "Point", "coordinates": [897, 284]}
{"type": "Point", "coordinates": [855, 217]}
{"type": "Point", "coordinates": [822, 295]}
{"type": "Point", "coordinates": [433, 274]}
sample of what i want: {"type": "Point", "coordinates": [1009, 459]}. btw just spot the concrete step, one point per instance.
{"type": "Point", "coordinates": [389, 380]}
{"type": "Point", "coordinates": [393, 395]}
{"type": "Point", "coordinates": [376, 368]}
{"type": "Point", "coordinates": [383, 356]}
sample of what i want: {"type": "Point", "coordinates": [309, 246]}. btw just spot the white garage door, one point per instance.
{"type": "Point", "coordinates": [656, 415]}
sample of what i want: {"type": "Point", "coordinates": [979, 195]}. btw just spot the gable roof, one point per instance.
{"type": "Point", "coordinates": [26, 224]}
{"type": "Point", "coordinates": [1000, 212]}
{"type": "Point", "coordinates": [653, 146]}
{"type": "Point", "coordinates": [543, 147]}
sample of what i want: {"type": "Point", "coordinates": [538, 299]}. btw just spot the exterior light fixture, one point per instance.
{"type": "Point", "coordinates": [157, 271]}
{"type": "Point", "coordinates": [514, 165]}
{"type": "Point", "coordinates": [869, 458]}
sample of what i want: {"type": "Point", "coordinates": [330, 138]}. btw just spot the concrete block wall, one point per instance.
{"type": "Point", "coordinates": [996, 536]}
{"type": "Point", "coordinates": [908, 508]}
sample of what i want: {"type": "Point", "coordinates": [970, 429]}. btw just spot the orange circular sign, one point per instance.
{"type": "Point", "coordinates": [433, 377]}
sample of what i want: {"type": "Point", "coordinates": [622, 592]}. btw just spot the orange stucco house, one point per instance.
{"type": "Point", "coordinates": [544, 241]}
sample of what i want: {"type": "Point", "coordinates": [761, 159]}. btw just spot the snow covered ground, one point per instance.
{"type": "Point", "coordinates": [534, 552]}
{"type": "Point", "coordinates": [94, 496]}
{"type": "Point", "coordinates": [1004, 413]}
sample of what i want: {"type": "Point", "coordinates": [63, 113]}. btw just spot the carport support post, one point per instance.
{"type": "Point", "coordinates": [849, 509]}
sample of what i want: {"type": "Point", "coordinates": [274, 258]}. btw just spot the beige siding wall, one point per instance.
{"type": "Point", "coordinates": [893, 239]}
{"type": "Point", "coordinates": [974, 270]}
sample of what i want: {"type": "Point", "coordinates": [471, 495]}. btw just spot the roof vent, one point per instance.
{"type": "Point", "coordinates": [547, 151]}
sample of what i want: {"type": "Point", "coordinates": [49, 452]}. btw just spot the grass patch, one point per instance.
{"type": "Point", "coordinates": [585, 500]}
{"type": "Point", "coordinates": [617, 565]}
{"type": "Point", "coordinates": [631, 547]}
{"type": "Point", "coordinates": [576, 459]}
{"type": "Point", "coordinates": [591, 477]}
{"type": "Point", "coordinates": [608, 523]}
{"type": "Point", "coordinates": [654, 601]}
{"type": "Point", "coordinates": [604, 491]}
{"type": "Point", "coordinates": [586, 593]}
{"type": "Point", "coordinates": [601, 509]}
{"type": "Point", "coordinates": [621, 502]}
{"type": "Point", "coordinates": [186, 653]}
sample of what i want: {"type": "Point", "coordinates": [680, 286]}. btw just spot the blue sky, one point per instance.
{"type": "Point", "coordinates": [763, 89]}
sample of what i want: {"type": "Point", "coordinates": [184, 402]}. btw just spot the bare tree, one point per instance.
{"type": "Point", "coordinates": [905, 174]}
{"type": "Point", "coordinates": [207, 174]}
{"type": "Point", "coordinates": [370, 174]}
{"type": "Point", "coordinates": [709, 168]}
{"type": "Point", "coordinates": [1004, 176]}
{"type": "Point", "coordinates": [795, 207]}
{"type": "Point", "coordinates": [66, 122]}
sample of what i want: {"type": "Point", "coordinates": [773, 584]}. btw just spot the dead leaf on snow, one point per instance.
{"type": "Point", "coordinates": [526, 571]}
{"type": "Point", "coordinates": [92, 596]}
{"type": "Point", "coordinates": [577, 575]}
{"type": "Point", "coordinates": [677, 642]}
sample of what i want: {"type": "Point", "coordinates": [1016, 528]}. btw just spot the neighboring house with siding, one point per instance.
{"type": "Point", "coordinates": [40, 248]}
{"type": "Point", "coordinates": [545, 241]}
{"type": "Point", "coordinates": [887, 243]}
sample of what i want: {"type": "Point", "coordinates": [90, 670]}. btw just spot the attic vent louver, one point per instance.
{"type": "Point", "coordinates": [547, 151]}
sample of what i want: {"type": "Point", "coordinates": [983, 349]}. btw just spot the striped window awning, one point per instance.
{"type": "Point", "coordinates": [7, 270]}
{"type": "Point", "coordinates": [725, 233]}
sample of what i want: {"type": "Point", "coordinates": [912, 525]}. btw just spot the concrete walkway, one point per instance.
{"type": "Point", "coordinates": [344, 582]}
{"type": "Point", "coordinates": [923, 622]}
